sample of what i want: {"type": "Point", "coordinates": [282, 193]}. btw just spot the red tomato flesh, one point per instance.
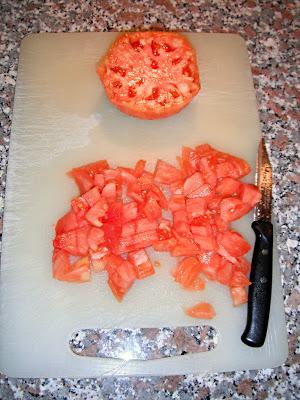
{"type": "Point", "coordinates": [186, 212]}
{"type": "Point", "coordinates": [150, 75]}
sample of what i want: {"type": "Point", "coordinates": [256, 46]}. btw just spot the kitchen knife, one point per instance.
{"type": "Point", "coordinates": [261, 267]}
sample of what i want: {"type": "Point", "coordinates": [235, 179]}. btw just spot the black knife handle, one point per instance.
{"type": "Point", "coordinates": [260, 290]}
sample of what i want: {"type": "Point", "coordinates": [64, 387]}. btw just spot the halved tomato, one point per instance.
{"type": "Point", "coordinates": [150, 75]}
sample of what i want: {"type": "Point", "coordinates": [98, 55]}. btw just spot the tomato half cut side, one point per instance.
{"type": "Point", "coordinates": [150, 75]}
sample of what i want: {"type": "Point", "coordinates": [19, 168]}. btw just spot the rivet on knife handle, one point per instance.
{"type": "Point", "coordinates": [260, 289]}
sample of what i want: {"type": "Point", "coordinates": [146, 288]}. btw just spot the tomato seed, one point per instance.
{"type": "Point", "coordinates": [176, 61]}
{"type": "Point", "coordinates": [117, 84]}
{"type": "Point", "coordinates": [119, 70]}
{"type": "Point", "coordinates": [155, 47]}
{"type": "Point", "coordinates": [137, 45]}
{"type": "Point", "coordinates": [174, 93]}
{"type": "Point", "coordinates": [154, 64]}
{"type": "Point", "coordinates": [131, 92]}
{"type": "Point", "coordinates": [186, 70]}
{"type": "Point", "coordinates": [167, 48]}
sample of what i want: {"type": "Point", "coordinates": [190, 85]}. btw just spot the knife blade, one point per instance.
{"type": "Point", "coordinates": [261, 267]}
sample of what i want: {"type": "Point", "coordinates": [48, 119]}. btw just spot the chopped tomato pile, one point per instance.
{"type": "Point", "coordinates": [185, 211]}
{"type": "Point", "coordinates": [150, 75]}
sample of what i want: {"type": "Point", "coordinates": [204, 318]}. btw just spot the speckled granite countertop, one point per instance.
{"type": "Point", "coordinates": [271, 30]}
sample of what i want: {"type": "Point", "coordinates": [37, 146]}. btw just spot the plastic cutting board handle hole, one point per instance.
{"type": "Point", "coordinates": [143, 343]}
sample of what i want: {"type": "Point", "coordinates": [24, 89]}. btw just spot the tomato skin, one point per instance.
{"type": "Point", "coordinates": [201, 310]}
{"type": "Point", "coordinates": [129, 74]}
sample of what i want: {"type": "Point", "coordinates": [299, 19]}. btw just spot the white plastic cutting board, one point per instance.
{"type": "Point", "coordinates": [62, 119]}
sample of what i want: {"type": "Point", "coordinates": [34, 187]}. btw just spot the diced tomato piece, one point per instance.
{"type": "Point", "coordinates": [207, 167]}
{"type": "Point", "coordinates": [239, 279]}
{"type": "Point", "coordinates": [192, 185]}
{"type": "Point", "coordinates": [109, 192]}
{"type": "Point", "coordinates": [84, 175]}
{"type": "Point", "coordinates": [185, 250]}
{"type": "Point", "coordinates": [180, 223]}
{"type": "Point", "coordinates": [201, 310]}
{"type": "Point", "coordinates": [139, 168]}
{"type": "Point", "coordinates": [121, 279]}
{"type": "Point", "coordinates": [234, 243]}
{"type": "Point", "coordinates": [189, 161]}
{"type": "Point", "coordinates": [220, 224]}
{"type": "Point", "coordinates": [187, 271]}
{"type": "Point", "coordinates": [243, 265]}
{"type": "Point", "coordinates": [249, 194]}
{"type": "Point", "coordinates": [165, 245]}
{"type": "Point", "coordinates": [112, 261]}
{"type": "Point", "coordinates": [95, 238]}
{"type": "Point", "coordinates": [201, 230]}
{"type": "Point", "coordinates": [164, 230]}
{"type": "Point", "coordinates": [239, 295]}
{"type": "Point", "coordinates": [232, 208]}
{"type": "Point", "coordinates": [177, 202]}
{"type": "Point", "coordinates": [92, 196]}
{"type": "Point", "coordinates": [130, 211]}
{"type": "Point", "coordinates": [67, 241]}
{"type": "Point", "coordinates": [134, 191]}
{"type": "Point", "coordinates": [196, 207]}
{"type": "Point", "coordinates": [228, 187]}
{"type": "Point", "coordinates": [66, 223]}
{"type": "Point", "coordinates": [141, 263]}
{"type": "Point", "coordinates": [233, 167]}
{"type": "Point", "coordinates": [127, 177]}
{"type": "Point", "coordinates": [224, 253]}
{"type": "Point", "coordinates": [225, 272]}
{"type": "Point", "coordinates": [97, 212]}
{"type": "Point", "coordinates": [99, 181]}
{"type": "Point", "coordinates": [151, 208]}
{"type": "Point", "coordinates": [97, 262]}
{"type": "Point", "coordinates": [210, 264]}
{"type": "Point", "coordinates": [204, 150]}
{"type": "Point", "coordinates": [225, 169]}
{"type": "Point", "coordinates": [166, 173]}
{"type": "Point", "coordinates": [145, 181]}
{"type": "Point", "coordinates": [136, 242]}
{"type": "Point", "coordinates": [176, 187]}
{"type": "Point", "coordinates": [60, 263]}
{"type": "Point", "coordinates": [79, 272]}
{"type": "Point", "coordinates": [207, 243]}
{"type": "Point", "coordinates": [80, 207]}
{"type": "Point", "coordinates": [112, 175]}
{"type": "Point", "coordinates": [128, 229]}
{"type": "Point", "coordinates": [197, 284]}
{"type": "Point", "coordinates": [161, 198]}
{"type": "Point", "coordinates": [145, 224]}
{"type": "Point", "coordinates": [112, 225]}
